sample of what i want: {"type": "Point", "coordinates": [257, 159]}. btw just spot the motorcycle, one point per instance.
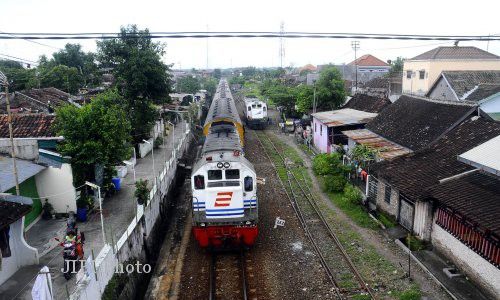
{"type": "Point", "coordinates": [72, 255]}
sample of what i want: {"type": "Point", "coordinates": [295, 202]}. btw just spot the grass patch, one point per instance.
{"type": "Point", "coordinates": [354, 211]}
{"type": "Point", "coordinates": [413, 293]}
{"type": "Point", "coordinates": [414, 243]}
{"type": "Point", "coordinates": [306, 150]}
{"type": "Point", "coordinates": [386, 220]}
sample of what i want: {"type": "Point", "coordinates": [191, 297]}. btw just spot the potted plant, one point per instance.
{"type": "Point", "coordinates": [141, 191]}
{"type": "Point", "coordinates": [48, 210]}
{"type": "Point", "coordinates": [82, 207]}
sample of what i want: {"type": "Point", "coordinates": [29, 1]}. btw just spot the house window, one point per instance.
{"type": "Point", "coordinates": [320, 129]}
{"type": "Point", "coordinates": [387, 196]}
{"type": "Point", "coordinates": [315, 127]}
{"type": "Point", "coordinates": [421, 74]}
{"type": "Point", "coordinates": [408, 74]}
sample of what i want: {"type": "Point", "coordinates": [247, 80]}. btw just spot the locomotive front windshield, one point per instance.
{"type": "Point", "coordinates": [214, 174]}
{"type": "Point", "coordinates": [233, 174]}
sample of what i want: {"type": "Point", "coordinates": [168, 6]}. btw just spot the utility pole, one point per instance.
{"type": "Point", "coordinates": [355, 47]}
{"type": "Point", "coordinates": [282, 45]}
{"type": "Point", "coordinates": [207, 47]}
{"type": "Point", "coordinates": [5, 82]}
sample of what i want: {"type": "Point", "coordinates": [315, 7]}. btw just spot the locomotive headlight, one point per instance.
{"type": "Point", "coordinates": [220, 165]}
{"type": "Point", "coordinates": [226, 165]}
{"type": "Point", "coordinates": [202, 224]}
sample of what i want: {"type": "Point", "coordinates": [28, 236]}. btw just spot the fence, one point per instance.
{"type": "Point", "coordinates": [131, 243]}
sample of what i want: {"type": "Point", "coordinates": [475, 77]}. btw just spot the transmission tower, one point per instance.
{"type": "Point", "coordinates": [355, 47]}
{"type": "Point", "coordinates": [282, 43]}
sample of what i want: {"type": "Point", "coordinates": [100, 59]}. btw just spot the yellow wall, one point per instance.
{"type": "Point", "coordinates": [433, 69]}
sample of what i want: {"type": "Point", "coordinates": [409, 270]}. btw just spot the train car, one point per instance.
{"type": "Point", "coordinates": [224, 188]}
{"type": "Point", "coordinates": [256, 113]}
{"type": "Point", "coordinates": [223, 111]}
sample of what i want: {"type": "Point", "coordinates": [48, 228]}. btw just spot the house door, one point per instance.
{"type": "Point", "coordinates": [406, 212]}
{"type": "Point", "coordinates": [372, 193]}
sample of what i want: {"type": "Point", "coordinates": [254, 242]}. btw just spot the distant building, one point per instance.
{"type": "Point", "coordinates": [367, 103]}
{"type": "Point", "coordinates": [387, 86]}
{"type": "Point", "coordinates": [481, 87]}
{"type": "Point", "coordinates": [327, 126]}
{"type": "Point", "coordinates": [369, 64]}
{"type": "Point", "coordinates": [44, 100]}
{"type": "Point", "coordinates": [369, 67]}
{"type": "Point", "coordinates": [421, 71]}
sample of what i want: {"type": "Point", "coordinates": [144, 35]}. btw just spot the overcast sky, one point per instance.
{"type": "Point", "coordinates": [477, 17]}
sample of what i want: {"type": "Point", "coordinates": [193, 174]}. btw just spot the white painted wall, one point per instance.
{"type": "Point", "coordinates": [469, 262]}
{"type": "Point", "coordinates": [57, 185]}
{"type": "Point", "coordinates": [25, 148]}
{"type": "Point", "coordinates": [22, 253]}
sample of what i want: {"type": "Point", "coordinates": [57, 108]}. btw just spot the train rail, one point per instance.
{"type": "Point", "coordinates": [228, 278]}
{"type": "Point", "coordinates": [309, 214]}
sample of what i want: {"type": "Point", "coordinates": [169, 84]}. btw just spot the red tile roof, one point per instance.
{"type": "Point", "coordinates": [369, 60]}
{"type": "Point", "coordinates": [28, 126]}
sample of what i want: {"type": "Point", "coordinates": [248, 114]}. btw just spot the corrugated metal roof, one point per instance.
{"type": "Point", "coordinates": [485, 156]}
{"type": "Point", "coordinates": [25, 170]}
{"type": "Point", "coordinates": [345, 116]}
{"type": "Point", "coordinates": [386, 148]}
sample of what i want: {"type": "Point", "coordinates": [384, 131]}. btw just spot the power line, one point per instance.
{"type": "Point", "coordinates": [158, 35]}
{"type": "Point", "coordinates": [18, 59]}
{"type": "Point", "coordinates": [35, 42]}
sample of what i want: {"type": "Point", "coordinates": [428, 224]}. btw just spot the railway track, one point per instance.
{"type": "Point", "coordinates": [228, 276]}
{"type": "Point", "coordinates": [344, 275]}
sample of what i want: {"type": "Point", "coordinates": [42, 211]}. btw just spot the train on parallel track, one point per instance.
{"type": "Point", "coordinates": [256, 113]}
{"type": "Point", "coordinates": [224, 187]}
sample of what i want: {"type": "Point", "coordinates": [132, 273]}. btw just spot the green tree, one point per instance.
{"type": "Point", "coordinates": [137, 65]}
{"type": "Point", "coordinates": [19, 77]}
{"type": "Point", "coordinates": [217, 73]}
{"type": "Point", "coordinates": [188, 84]}
{"type": "Point", "coordinates": [249, 72]}
{"type": "Point", "coordinates": [62, 77]}
{"type": "Point", "coordinates": [73, 56]}
{"type": "Point", "coordinates": [396, 66]}
{"type": "Point", "coordinates": [141, 76]}
{"type": "Point", "coordinates": [97, 133]}
{"type": "Point", "coordinates": [210, 84]}
{"type": "Point", "coordinates": [304, 95]}
{"type": "Point", "coordinates": [330, 91]}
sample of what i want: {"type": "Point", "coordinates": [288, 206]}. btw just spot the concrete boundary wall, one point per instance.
{"type": "Point", "coordinates": [472, 264]}
{"type": "Point", "coordinates": [133, 241]}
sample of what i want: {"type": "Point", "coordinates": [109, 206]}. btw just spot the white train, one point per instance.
{"type": "Point", "coordinates": [256, 113]}
{"type": "Point", "coordinates": [224, 187]}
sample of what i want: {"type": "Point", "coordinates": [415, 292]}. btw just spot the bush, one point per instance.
{"type": "Point", "coordinates": [324, 164]}
{"type": "Point", "coordinates": [141, 191]}
{"type": "Point", "coordinates": [352, 194]}
{"type": "Point", "coordinates": [334, 183]}
{"type": "Point", "coordinates": [158, 141]}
